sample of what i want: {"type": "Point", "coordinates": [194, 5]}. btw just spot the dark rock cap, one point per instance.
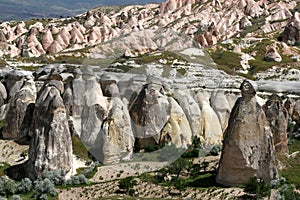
{"type": "Point", "coordinates": [248, 88]}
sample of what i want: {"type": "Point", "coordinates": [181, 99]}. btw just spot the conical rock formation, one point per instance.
{"type": "Point", "coordinates": [248, 149]}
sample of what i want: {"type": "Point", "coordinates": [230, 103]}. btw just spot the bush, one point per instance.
{"type": "Point", "coordinates": [16, 197]}
{"type": "Point", "coordinates": [24, 186]}
{"type": "Point", "coordinates": [127, 184]}
{"type": "Point", "coordinates": [150, 149]}
{"type": "Point", "coordinates": [7, 186]}
{"type": "Point", "coordinates": [44, 187]}
{"type": "Point", "coordinates": [77, 180]}
{"type": "Point", "coordinates": [287, 192]}
{"type": "Point", "coordinates": [57, 177]}
{"type": "Point", "coordinates": [258, 187]}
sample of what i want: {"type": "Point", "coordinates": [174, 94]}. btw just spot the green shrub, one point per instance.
{"type": "Point", "coordinates": [3, 166]}
{"type": "Point", "coordinates": [215, 150]}
{"type": "Point", "coordinates": [77, 180]}
{"type": "Point", "coordinates": [127, 184]}
{"type": "Point", "coordinates": [57, 177]}
{"type": "Point", "coordinates": [16, 197]}
{"type": "Point", "coordinates": [24, 186]}
{"type": "Point", "coordinates": [44, 187]}
{"type": "Point", "coordinates": [7, 186]}
{"type": "Point", "coordinates": [180, 165]}
{"type": "Point", "coordinates": [288, 192]}
{"type": "Point", "coordinates": [257, 187]}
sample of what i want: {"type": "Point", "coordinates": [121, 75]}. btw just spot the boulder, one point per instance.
{"type": "Point", "coordinates": [272, 55]}
{"type": "Point", "coordinates": [277, 116]}
{"type": "Point", "coordinates": [51, 145]}
{"type": "Point", "coordinates": [248, 149]}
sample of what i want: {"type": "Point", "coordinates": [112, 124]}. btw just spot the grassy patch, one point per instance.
{"type": "Point", "coordinates": [294, 146]}
{"type": "Point", "coordinates": [292, 170]}
{"type": "Point", "coordinates": [87, 172]}
{"type": "Point", "coordinates": [28, 23]}
{"type": "Point", "coordinates": [79, 149]}
{"type": "Point", "coordinates": [166, 55]}
{"type": "Point", "coordinates": [257, 23]}
{"type": "Point", "coordinates": [2, 123]}
{"type": "Point", "coordinates": [3, 166]}
{"type": "Point", "coordinates": [226, 60]}
{"type": "Point", "coordinates": [259, 64]}
{"type": "Point", "coordinates": [2, 63]}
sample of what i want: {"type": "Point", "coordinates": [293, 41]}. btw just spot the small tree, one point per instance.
{"type": "Point", "coordinates": [196, 142]}
{"type": "Point", "coordinates": [179, 165]}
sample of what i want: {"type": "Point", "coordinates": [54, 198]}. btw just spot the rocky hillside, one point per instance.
{"type": "Point", "coordinates": [131, 79]}
{"type": "Point", "coordinates": [153, 26]}
{"type": "Point", "coordinates": [27, 9]}
{"type": "Point", "coordinates": [247, 36]}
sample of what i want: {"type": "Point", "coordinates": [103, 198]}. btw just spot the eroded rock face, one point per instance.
{"type": "Point", "coordinates": [149, 113]}
{"type": "Point", "coordinates": [116, 134]}
{"type": "Point", "coordinates": [103, 123]}
{"type": "Point", "coordinates": [51, 146]}
{"type": "Point", "coordinates": [291, 33]}
{"type": "Point", "coordinates": [277, 116]}
{"type": "Point", "coordinates": [248, 149]}
{"type": "Point", "coordinates": [296, 112]}
{"type": "Point", "coordinates": [177, 130]}
{"type": "Point", "coordinates": [20, 112]}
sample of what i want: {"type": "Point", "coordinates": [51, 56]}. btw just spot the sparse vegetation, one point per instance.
{"type": "Point", "coordinates": [257, 187]}
{"type": "Point", "coordinates": [292, 169]}
{"type": "Point", "coordinates": [127, 185]}
{"type": "Point", "coordinates": [226, 60]}
{"type": "Point", "coordinates": [3, 166]}
{"type": "Point", "coordinates": [2, 63]}
{"type": "Point", "coordinates": [79, 149]}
